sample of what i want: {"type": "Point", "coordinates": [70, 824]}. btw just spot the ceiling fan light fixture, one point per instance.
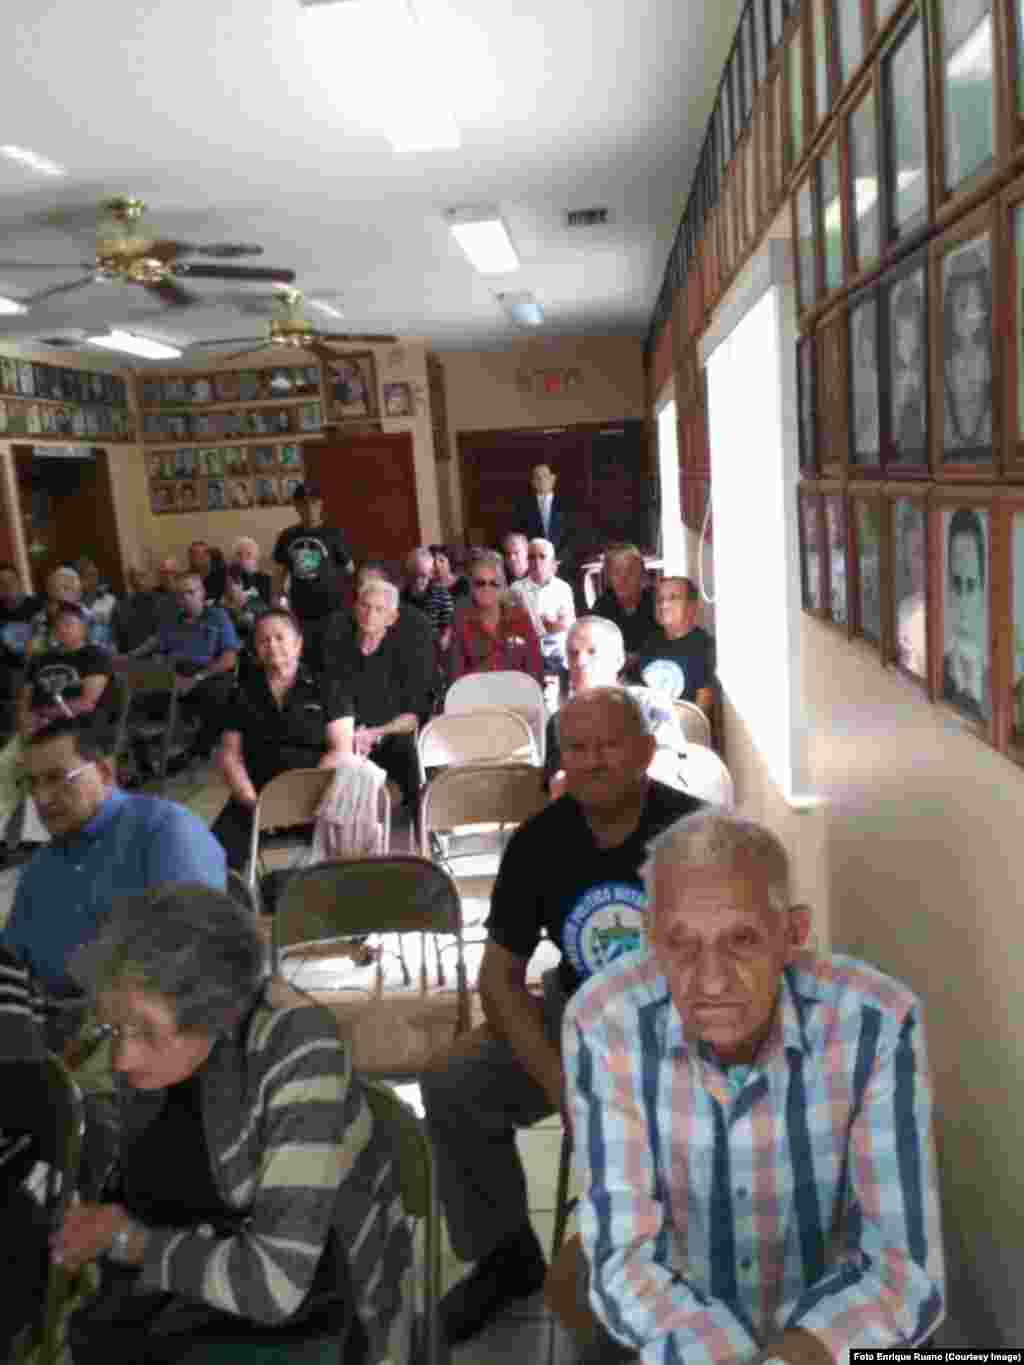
{"type": "Point", "coordinates": [130, 344]}
{"type": "Point", "coordinates": [484, 239]}
{"type": "Point", "coordinates": [31, 160]}
{"type": "Point", "coordinates": [10, 307]}
{"type": "Point", "coordinates": [322, 306]}
{"type": "Point", "coordinates": [523, 308]}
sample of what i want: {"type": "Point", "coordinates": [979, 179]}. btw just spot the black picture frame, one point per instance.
{"type": "Point", "coordinates": [905, 131]}
{"type": "Point", "coordinates": [865, 352]}
{"type": "Point", "coordinates": [905, 369]}
{"type": "Point", "coordinates": [966, 327]}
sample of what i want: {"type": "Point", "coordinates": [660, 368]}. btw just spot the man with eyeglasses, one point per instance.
{"type": "Point", "coordinates": [105, 843]}
{"type": "Point", "coordinates": [549, 601]}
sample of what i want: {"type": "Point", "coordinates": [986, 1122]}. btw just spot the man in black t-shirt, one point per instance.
{"type": "Point", "coordinates": [572, 873]}
{"type": "Point", "coordinates": [678, 659]}
{"type": "Point", "coordinates": [312, 558]}
{"type": "Point", "coordinates": [17, 610]}
{"type": "Point", "coordinates": [66, 681]}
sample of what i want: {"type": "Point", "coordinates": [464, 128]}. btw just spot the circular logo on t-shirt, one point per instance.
{"type": "Point", "coordinates": [605, 922]}
{"type": "Point", "coordinates": [57, 678]}
{"type": "Point", "coordinates": [665, 676]}
{"type": "Point", "coordinates": [307, 555]}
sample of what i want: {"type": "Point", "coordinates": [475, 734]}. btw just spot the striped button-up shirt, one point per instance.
{"type": "Point", "coordinates": [716, 1215]}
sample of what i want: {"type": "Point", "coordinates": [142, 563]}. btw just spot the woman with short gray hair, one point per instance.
{"type": "Point", "coordinates": [253, 1200]}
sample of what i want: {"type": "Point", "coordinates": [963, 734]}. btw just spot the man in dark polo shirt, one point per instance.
{"type": "Point", "coordinates": [678, 658]}
{"type": "Point", "coordinates": [312, 559]}
{"type": "Point", "coordinates": [572, 872]}
{"type": "Point", "coordinates": [203, 646]}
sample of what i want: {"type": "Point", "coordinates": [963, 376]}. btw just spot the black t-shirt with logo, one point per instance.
{"type": "Point", "coordinates": [316, 557]}
{"type": "Point", "coordinates": [60, 671]}
{"type": "Point", "coordinates": [590, 901]}
{"type": "Point", "coordinates": [678, 669]}
{"type": "Point", "coordinates": [292, 734]}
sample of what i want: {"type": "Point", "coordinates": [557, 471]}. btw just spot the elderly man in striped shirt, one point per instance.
{"type": "Point", "coordinates": [753, 1124]}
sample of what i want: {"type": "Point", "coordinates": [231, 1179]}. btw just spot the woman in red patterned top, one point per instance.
{"type": "Point", "coordinates": [492, 632]}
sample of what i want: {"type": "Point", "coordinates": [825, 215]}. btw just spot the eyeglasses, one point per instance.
{"type": "Point", "coordinates": [485, 582]}
{"type": "Point", "coordinates": [35, 783]}
{"type": "Point", "coordinates": [129, 1033]}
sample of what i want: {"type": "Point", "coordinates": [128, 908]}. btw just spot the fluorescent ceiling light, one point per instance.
{"type": "Point", "coordinates": [383, 65]}
{"type": "Point", "coordinates": [485, 240]}
{"type": "Point", "coordinates": [323, 307]}
{"type": "Point", "coordinates": [9, 306]}
{"type": "Point", "coordinates": [135, 345]}
{"type": "Point", "coordinates": [32, 160]}
{"type": "Point", "coordinates": [522, 308]}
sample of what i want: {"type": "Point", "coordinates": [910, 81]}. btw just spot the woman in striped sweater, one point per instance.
{"type": "Point", "coordinates": [252, 1199]}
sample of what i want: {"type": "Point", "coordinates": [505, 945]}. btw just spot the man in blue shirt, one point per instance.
{"type": "Point", "coordinates": [106, 843]}
{"type": "Point", "coordinates": [202, 644]}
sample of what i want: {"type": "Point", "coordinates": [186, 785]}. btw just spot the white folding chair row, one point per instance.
{"type": "Point", "coordinates": [487, 734]}
{"type": "Point", "coordinates": [508, 688]}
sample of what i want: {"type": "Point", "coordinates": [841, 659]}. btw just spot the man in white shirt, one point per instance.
{"type": "Point", "coordinates": [549, 601]}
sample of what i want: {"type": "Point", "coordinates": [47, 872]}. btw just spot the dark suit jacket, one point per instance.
{"type": "Point", "coordinates": [561, 530]}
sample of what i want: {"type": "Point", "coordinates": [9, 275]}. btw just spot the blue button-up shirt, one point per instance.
{"type": "Point", "coordinates": [200, 641]}
{"type": "Point", "coordinates": [722, 1211]}
{"type": "Point", "coordinates": [131, 843]}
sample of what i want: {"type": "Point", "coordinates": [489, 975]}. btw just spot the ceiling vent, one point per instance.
{"type": "Point", "coordinates": [578, 218]}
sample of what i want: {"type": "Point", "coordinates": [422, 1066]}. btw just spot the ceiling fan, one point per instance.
{"type": "Point", "coordinates": [292, 328]}
{"type": "Point", "coordinates": [127, 252]}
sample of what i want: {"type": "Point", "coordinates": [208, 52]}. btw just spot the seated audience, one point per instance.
{"type": "Point", "coordinates": [245, 562]}
{"type": "Point", "coordinates": [626, 599]}
{"type": "Point", "coordinates": [203, 646]}
{"type": "Point", "coordinates": [573, 870]}
{"type": "Point", "coordinates": [550, 603]}
{"type": "Point", "coordinates": [105, 843]}
{"type": "Point", "coordinates": [281, 716]}
{"type": "Point", "coordinates": [456, 584]}
{"type": "Point", "coordinates": [168, 572]}
{"type": "Point", "coordinates": [514, 550]}
{"type": "Point", "coordinates": [494, 632]}
{"type": "Point", "coordinates": [389, 680]}
{"type": "Point", "coordinates": [678, 658]}
{"type": "Point", "coordinates": [98, 600]}
{"type": "Point", "coordinates": [752, 1123]}
{"type": "Point", "coordinates": [255, 1201]}
{"type": "Point", "coordinates": [423, 591]}
{"type": "Point", "coordinates": [137, 617]}
{"type": "Point", "coordinates": [17, 610]}
{"type": "Point", "coordinates": [63, 585]}
{"type": "Point", "coordinates": [209, 564]}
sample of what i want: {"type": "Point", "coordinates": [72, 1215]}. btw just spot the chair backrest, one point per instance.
{"type": "Point", "coordinates": [700, 772]}
{"type": "Point", "coordinates": [396, 894]}
{"type": "Point", "coordinates": [480, 794]}
{"type": "Point", "coordinates": [292, 797]}
{"type": "Point", "coordinates": [505, 687]}
{"type": "Point", "coordinates": [490, 734]}
{"type": "Point", "coordinates": [148, 675]}
{"type": "Point", "coordinates": [695, 724]}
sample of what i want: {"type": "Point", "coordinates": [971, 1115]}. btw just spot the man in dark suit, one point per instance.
{"type": "Point", "coordinates": [545, 515]}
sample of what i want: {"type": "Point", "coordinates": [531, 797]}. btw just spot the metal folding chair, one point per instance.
{"type": "Point", "coordinates": [489, 734]}
{"type": "Point", "coordinates": [695, 724]}
{"type": "Point", "coordinates": [505, 687]}
{"type": "Point", "coordinates": [288, 802]}
{"type": "Point", "coordinates": [143, 678]}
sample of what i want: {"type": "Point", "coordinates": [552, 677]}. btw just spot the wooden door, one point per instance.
{"type": "Point", "coordinates": [67, 508]}
{"type": "Point", "coordinates": [368, 484]}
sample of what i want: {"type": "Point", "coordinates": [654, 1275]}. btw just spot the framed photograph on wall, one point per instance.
{"type": "Point", "coordinates": [863, 210]}
{"type": "Point", "coordinates": [908, 519]}
{"type": "Point", "coordinates": [216, 495]}
{"type": "Point", "coordinates": [805, 236]}
{"type": "Point", "coordinates": [964, 525]}
{"type": "Point", "coordinates": [865, 395]}
{"type": "Point", "coordinates": [836, 539]}
{"type": "Point", "coordinates": [965, 50]}
{"type": "Point", "coordinates": [162, 497]}
{"type": "Point", "coordinates": [822, 100]}
{"type": "Point", "coordinates": [352, 386]}
{"type": "Point", "coordinates": [905, 369]}
{"type": "Point", "coordinates": [1014, 710]}
{"type": "Point", "coordinates": [398, 400]}
{"type": "Point", "coordinates": [833, 399]}
{"type": "Point", "coordinates": [266, 492]}
{"type": "Point", "coordinates": [1013, 388]}
{"type": "Point", "coordinates": [239, 492]}
{"type": "Point", "coordinates": [965, 358]}
{"type": "Point", "coordinates": [867, 567]}
{"type": "Point", "coordinates": [849, 38]}
{"type": "Point", "coordinates": [830, 231]}
{"type": "Point", "coordinates": [795, 88]}
{"type": "Point", "coordinates": [188, 496]}
{"type": "Point", "coordinates": [905, 131]}
{"type": "Point", "coordinates": [807, 399]}
{"type": "Point", "coordinates": [812, 541]}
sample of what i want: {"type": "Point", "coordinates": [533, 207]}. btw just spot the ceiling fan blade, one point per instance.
{"type": "Point", "coordinates": [267, 274]}
{"type": "Point", "coordinates": [363, 338]}
{"type": "Point", "coordinates": [166, 250]}
{"type": "Point", "coordinates": [172, 294]}
{"type": "Point", "coordinates": [31, 299]}
{"type": "Point", "coordinates": [228, 251]}
{"type": "Point", "coordinates": [52, 265]}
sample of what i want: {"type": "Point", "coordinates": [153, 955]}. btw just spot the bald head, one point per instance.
{"type": "Point", "coordinates": [606, 748]}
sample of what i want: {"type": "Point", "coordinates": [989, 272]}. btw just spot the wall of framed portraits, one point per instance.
{"type": "Point", "coordinates": [888, 137]}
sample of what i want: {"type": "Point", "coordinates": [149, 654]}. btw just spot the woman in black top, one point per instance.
{"type": "Point", "coordinates": [281, 717]}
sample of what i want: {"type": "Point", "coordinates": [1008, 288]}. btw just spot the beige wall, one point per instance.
{"type": "Point", "coordinates": [483, 393]}
{"type": "Point", "coordinates": [919, 860]}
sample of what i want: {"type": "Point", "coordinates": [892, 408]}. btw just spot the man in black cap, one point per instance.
{"type": "Point", "coordinates": [311, 557]}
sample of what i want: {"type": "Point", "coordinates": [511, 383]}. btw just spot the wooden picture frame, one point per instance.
{"type": "Point", "coordinates": [831, 218]}
{"type": "Point", "coordinates": [837, 557]}
{"type": "Point", "coordinates": [805, 223]}
{"type": "Point", "coordinates": [807, 403]}
{"type": "Point", "coordinates": [906, 520]}
{"type": "Point", "coordinates": [864, 347]}
{"type": "Point", "coordinates": [906, 136]}
{"type": "Point", "coordinates": [832, 393]}
{"type": "Point", "coordinates": [812, 551]}
{"type": "Point", "coordinates": [906, 369]}
{"type": "Point", "coordinates": [350, 383]}
{"type": "Point", "coordinates": [962, 615]}
{"type": "Point", "coordinates": [1012, 328]}
{"type": "Point", "coordinates": [968, 122]}
{"type": "Point", "coordinates": [966, 356]}
{"type": "Point", "coordinates": [863, 178]}
{"type": "Point", "coordinates": [868, 565]}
